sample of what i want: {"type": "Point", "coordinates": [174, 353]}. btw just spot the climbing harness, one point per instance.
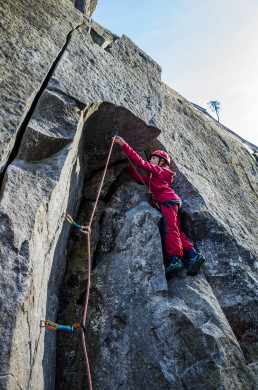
{"type": "Point", "coordinates": [52, 325]}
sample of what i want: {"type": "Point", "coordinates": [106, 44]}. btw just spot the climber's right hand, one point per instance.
{"type": "Point", "coordinates": [119, 140]}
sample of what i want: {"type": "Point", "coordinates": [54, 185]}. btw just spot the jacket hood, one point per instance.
{"type": "Point", "coordinates": [168, 175]}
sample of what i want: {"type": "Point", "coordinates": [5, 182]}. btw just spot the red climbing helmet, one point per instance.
{"type": "Point", "coordinates": [161, 154]}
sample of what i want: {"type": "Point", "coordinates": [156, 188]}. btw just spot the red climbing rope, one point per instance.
{"type": "Point", "coordinates": [87, 230]}
{"type": "Point", "coordinates": [101, 183]}
{"type": "Point", "coordinates": [89, 268]}
{"type": "Point", "coordinates": [140, 177]}
{"type": "Point", "coordinates": [84, 315]}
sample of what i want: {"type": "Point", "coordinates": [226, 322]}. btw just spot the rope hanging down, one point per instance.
{"type": "Point", "coordinates": [85, 230]}
{"type": "Point", "coordinates": [89, 267]}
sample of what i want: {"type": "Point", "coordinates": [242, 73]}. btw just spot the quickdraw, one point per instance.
{"type": "Point", "coordinates": [83, 229]}
{"type": "Point", "coordinates": [52, 325]}
{"type": "Point", "coordinates": [116, 128]}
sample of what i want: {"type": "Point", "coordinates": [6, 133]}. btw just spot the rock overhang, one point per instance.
{"type": "Point", "coordinates": [104, 123]}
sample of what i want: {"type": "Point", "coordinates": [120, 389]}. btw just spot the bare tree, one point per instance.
{"type": "Point", "coordinates": [214, 105]}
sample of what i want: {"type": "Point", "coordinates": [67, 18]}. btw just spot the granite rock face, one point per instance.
{"type": "Point", "coordinates": [220, 215]}
{"type": "Point", "coordinates": [31, 43]}
{"type": "Point", "coordinates": [32, 235]}
{"type": "Point", "coordinates": [75, 84]}
{"type": "Point", "coordinates": [87, 7]}
{"type": "Point", "coordinates": [142, 331]}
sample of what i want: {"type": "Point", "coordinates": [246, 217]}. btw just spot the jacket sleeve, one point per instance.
{"type": "Point", "coordinates": [137, 176]}
{"type": "Point", "coordinates": [138, 161]}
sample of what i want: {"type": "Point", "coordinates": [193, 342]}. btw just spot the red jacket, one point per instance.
{"type": "Point", "coordinates": [158, 179]}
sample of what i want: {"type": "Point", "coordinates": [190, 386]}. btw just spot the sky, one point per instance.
{"type": "Point", "coordinates": [208, 50]}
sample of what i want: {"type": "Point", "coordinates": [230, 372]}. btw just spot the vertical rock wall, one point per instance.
{"type": "Point", "coordinates": [33, 35]}
{"type": "Point", "coordinates": [44, 179]}
{"type": "Point", "coordinates": [221, 216]}
{"type": "Point", "coordinates": [142, 331]}
{"type": "Point", "coordinates": [155, 334]}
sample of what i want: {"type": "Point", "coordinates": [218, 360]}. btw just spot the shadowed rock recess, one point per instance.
{"type": "Point", "coordinates": [67, 84]}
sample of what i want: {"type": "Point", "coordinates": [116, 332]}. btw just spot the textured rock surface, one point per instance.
{"type": "Point", "coordinates": [175, 335]}
{"type": "Point", "coordinates": [85, 6]}
{"type": "Point", "coordinates": [32, 35]}
{"type": "Point", "coordinates": [221, 216]}
{"type": "Point", "coordinates": [44, 181]}
{"type": "Point", "coordinates": [143, 332]}
{"type": "Point", "coordinates": [35, 194]}
{"type": "Point", "coordinates": [89, 73]}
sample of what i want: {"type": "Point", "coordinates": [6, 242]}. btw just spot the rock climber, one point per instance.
{"type": "Point", "coordinates": [158, 181]}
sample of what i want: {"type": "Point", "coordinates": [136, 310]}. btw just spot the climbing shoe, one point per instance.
{"type": "Point", "coordinates": [196, 261]}
{"type": "Point", "coordinates": [174, 266]}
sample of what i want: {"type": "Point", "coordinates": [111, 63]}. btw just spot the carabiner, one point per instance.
{"type": "Point", "coordinates": [85, 229]}
{"type": "Point", "coordinates": [69, 218]}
